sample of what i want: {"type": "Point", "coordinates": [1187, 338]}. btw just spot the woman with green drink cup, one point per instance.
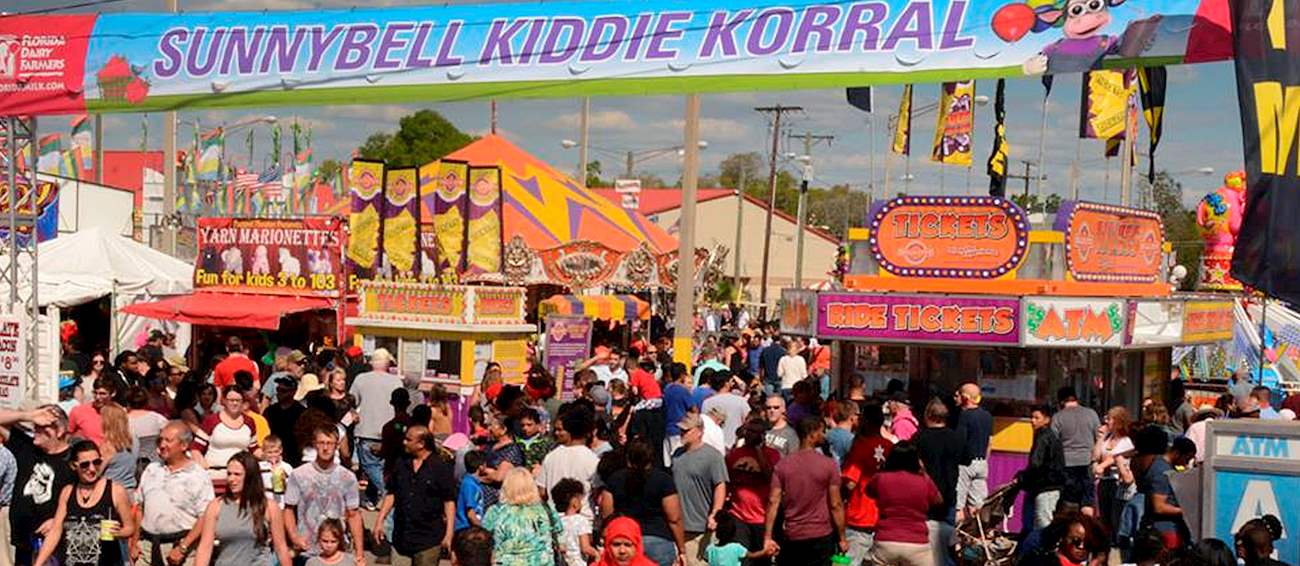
{"type": "Point", "coordinates": [93, 517]}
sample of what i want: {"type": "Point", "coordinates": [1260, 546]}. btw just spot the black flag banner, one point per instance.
{"type": "Point", "coordinates": [1266, 40]}
{"type": "Point", "coordinates": [997, 166]}
{"type": "Point", "coordinates": [1151, 89]}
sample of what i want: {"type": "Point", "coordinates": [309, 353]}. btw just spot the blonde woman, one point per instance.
{"type": "Point", "coordinates": [119, 448]}
{"type": "Point", "coordinates": [523, 527]}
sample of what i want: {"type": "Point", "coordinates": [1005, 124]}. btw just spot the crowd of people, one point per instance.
{"type": "Point", "coordinates": [748, 459]}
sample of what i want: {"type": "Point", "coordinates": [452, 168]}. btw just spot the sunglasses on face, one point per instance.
{"type": "Point", "coordinates": [773, 408]}
{"type": "Point", "coordinates": [1074, 542]}
{"type": "Point", "coordinates": [90, 464]}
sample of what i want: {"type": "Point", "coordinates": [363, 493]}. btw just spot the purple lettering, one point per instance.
{"type": "Point", "coordinates": [535, 28]}
{"type": "Point", "coordinates": [854, 24]}
{"type": "Point", "coordinates": [552, 53]}
{"type": "Point", "coordinates": [192, 66]}
{"type": "Point", "coordinates": [914, 24]}
{"type": "Point", "coordinates": [388, 42]}
{"type": "Point", "coordinates": [445, 58]}
{"type": "Point", "coordinates": [497, 44]}
{"type": "Point", "coordinates": [638, 33]}
{"type": "Point", "coordinates": [279, 47]}
{"type": "Point", "coordinates": [241, 50]}
{"type": "Point", "coordinates": [598, 48]}
{"type": "Point", "coordinates": [664, 32]}
{"type": "Point", "coordinates": [171, 62]}
{"type": "Point", "coordinates": [784, 19]}
{"type": "Point", "coordinates": [354, 50]}
{"type": "Point", "coordinates": [722, 34]}
{"type": "Point", "coordinates": [952, 27]}
{"type": "Point", "coordinates": [319, 45]}
{"type": "Point", "coordinates": [817, 20]}
{"type": "Point", "coordinates": [413, 58]}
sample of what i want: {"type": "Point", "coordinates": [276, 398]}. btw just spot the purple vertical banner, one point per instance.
{"type": "Point", "coordinates": [428, 239]}
{"type": "Point", "coordinates": [568, 343]}
{"type": "Point", "coordinates": [365, 189]}
{"type": "Point", "coordinates": [483, 223]}
{"type": "Point", "coordinates": [449, 209]}
{"type": "Point", "coordinates": [401, 224]}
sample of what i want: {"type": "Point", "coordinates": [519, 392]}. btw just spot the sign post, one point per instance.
{"type": "Point", "coordinates": [568, 341]}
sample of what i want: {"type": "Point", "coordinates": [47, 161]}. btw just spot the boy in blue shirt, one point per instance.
{"type": "Point", "coordinates": [469, 501]}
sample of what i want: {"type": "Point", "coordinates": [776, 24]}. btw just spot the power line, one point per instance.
{"type": "Point", "coordinates": [89, 4]}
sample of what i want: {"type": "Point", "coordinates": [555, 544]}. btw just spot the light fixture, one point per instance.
{"type": "Point", "coordinates": [568, 144]}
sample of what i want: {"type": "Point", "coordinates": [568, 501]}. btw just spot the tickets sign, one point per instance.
{"type": "Point", "coordinates": [1085, 323]}
{"type": "Point", "coordinates": [1111, 244]}
{"type": "Point", "coordinates": [301, 256]}
{"type": "Point", "coordinates": [963, 237]}
{"type": "Point", "coordinates": [918, 318]}
{"type": "Point", "coordinates": [13, 361]}
{"type": "Point", "coordinates": [1207, 321]}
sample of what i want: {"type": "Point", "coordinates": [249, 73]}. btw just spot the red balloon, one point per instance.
{"type": "Point", "coordinates": [1013, 21]}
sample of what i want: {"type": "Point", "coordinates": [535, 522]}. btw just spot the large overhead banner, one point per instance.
{"type": "Point", "coordinates": [134, 62]}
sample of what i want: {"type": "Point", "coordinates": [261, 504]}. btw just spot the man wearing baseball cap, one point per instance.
{"type": "Point", "coordinates": [700, 476]}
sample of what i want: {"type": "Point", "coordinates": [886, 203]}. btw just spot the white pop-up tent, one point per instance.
{"type": "Point", "coordinates": [80, 267]}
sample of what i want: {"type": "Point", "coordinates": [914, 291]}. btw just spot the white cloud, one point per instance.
{"type": "Point", "coordinates": [598, 120]}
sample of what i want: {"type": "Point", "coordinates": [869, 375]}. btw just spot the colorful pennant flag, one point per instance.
{"type": "Point", "coordinates": [954, 123]}
{"type": "Point", "coordinates": [997, 165]}
{"type": "Point", "coordinates": [83, 142]}
{"type": "Point", "coordinates": [1151, 88]}
{"type": "Point", "coordinates": [209, 161]}
{"type": "Point", "coordinates": [50, 151]}
{"type": "Point", "coordinates": [1103, 103]}
{"type": "Point", "coordinates": [903, 128]}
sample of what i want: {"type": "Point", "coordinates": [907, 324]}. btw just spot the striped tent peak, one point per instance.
{"type": "Point", "coordinates": [548, 208]}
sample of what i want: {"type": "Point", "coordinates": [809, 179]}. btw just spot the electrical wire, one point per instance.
{"type": "Point", "coordinates": [88, 4]}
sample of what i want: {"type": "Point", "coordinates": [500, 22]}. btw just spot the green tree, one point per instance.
{"type": "Point", "coordinates": [594, 171]}
{"type": "Point", "coordinates": [1032, 203]}
{"type": "Point", "coordinates": [420, 138]}
{"type": "Point", "coordinates": [330, 169]}
{"type": "Point", "coordinates": [1181, 230]}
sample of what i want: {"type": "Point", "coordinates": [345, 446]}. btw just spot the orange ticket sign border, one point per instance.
{"type": "Point", "coordinates": [1111, 244]}
{"type": "Point", "coordinates": [1207, 321]}
{"type": "Point", "coordinates": [950, 237]}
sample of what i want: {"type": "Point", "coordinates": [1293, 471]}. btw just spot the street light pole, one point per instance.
{"type": "Point", "coordinates": [798, 238]}
{"type": "Point", "coordinates": [740, 222]}
{"type": "Point", "coordinates": [169, 167]}
{"type": "Point", "coordinates": [582, 141]}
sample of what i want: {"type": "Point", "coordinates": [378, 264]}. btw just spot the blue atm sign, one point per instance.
{"type": "Point", "coordinates": [1241, 496]}
{"type": "Point", "coordinates": [1259, 447]}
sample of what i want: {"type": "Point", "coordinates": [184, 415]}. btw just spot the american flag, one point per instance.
{"type": "Point", "coordinates": [245, 181]}
{"type": "Point", "coordinates": [270, 185]}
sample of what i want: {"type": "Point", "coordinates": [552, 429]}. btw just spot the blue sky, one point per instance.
{"type": "Point", "coordinates": [1202, 127]}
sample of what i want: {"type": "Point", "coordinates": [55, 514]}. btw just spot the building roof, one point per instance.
{"type": "Point", "coordinates": [657, 200]}
{"type": "Point", "coordinates": [125, 169]}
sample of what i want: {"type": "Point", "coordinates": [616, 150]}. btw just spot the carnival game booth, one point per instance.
{"type": "Point", "coordinates": [576, 323]}
{"type": "Point", "coordinates": [943, 290]}
{"type": "Point", "coordinates": [274, 282]}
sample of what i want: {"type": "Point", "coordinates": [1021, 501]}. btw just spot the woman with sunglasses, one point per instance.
{"type": "Point", "coordinates": [247, 522]}
{"type": "Point", "coordinates": [93, 517]}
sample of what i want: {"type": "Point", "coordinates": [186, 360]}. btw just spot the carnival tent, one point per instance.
{"type": "Point", "coordinates": [80, 267]}
{"type": "Point", "coordinates": [547, 208]}
{"type": "Point", "coordinates": [600, 307]}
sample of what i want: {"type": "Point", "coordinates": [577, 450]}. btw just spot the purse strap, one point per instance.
{"type": "Point", "coordinates": [557, 549]}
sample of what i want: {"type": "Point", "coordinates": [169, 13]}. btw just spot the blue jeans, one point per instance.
{"type": "Point", "coordinates": [371, 465]}
{"type": "Point", "coordinates": [661, 550]}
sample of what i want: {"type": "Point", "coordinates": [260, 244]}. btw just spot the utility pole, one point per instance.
{"type": "Point", "coordinates": [493, 120]}
{"type": "Point", "coordinates": [628, 164]}
{"type": "Point", "coordinates": [1026, 177]}
{"type": "Point", "coordinates": [776, 112]}
{"type": "Point", "coordinates": [582, 141]}
{"type": "Point", "coordinates": [809, 139]}
{"type": "Point", "coordinates": [99, 155]}
{"type": "Point", "coordinates": [684, 319]}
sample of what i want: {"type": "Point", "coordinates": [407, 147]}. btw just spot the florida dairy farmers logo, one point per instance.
{"type": "Point", "coordinates": [9, 45]}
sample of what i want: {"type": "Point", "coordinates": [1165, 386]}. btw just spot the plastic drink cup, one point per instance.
{"type": "Point", "coordinates": [106, 528]}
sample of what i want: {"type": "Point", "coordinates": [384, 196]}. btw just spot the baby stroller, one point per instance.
{"type": "Point", "coordinates": [983, 538]}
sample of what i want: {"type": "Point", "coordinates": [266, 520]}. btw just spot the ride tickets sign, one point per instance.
{"type": "Point", "coordinates": [918, 318]}
{"type": "Point", "coordinates": [958, 237]}
{"type": "Point", "coordinates": [1084, 323]}
{"type": "Point", "coordinates": [270, 256]}
{"type": "Point", "coordinates": [1111, 244]}
{"type": "Point", "coordinates": [140, 62]}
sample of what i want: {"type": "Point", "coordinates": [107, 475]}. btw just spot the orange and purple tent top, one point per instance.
{"type": "Point", "coordinates": [547, 208]}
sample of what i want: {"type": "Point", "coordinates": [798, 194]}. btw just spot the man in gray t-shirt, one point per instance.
{"type": "Point", "coordinates": [373, 391]}
{"type": "Point", "coordinates": [1077, 426]}
{"type": "Point", "coordinates": [780, 436]}
{"type": "Point", "coordinates": [700, 476]}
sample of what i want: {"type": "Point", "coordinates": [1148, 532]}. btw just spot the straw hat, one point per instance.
{"type": "Point", "coordinates": [307, 384]}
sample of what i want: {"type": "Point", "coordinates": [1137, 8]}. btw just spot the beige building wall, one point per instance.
{"type": "Point", "coordinates": [716, 225]}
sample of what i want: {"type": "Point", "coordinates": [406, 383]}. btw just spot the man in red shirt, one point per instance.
{"type": "Point", "coordinates": [643, 381]}
{"type": "Point", "coordinates": [84, 420]}
{"type": "Point", "coordinates": [236, 359]}
{"type": "Point", "coordinates": [862, 462]}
